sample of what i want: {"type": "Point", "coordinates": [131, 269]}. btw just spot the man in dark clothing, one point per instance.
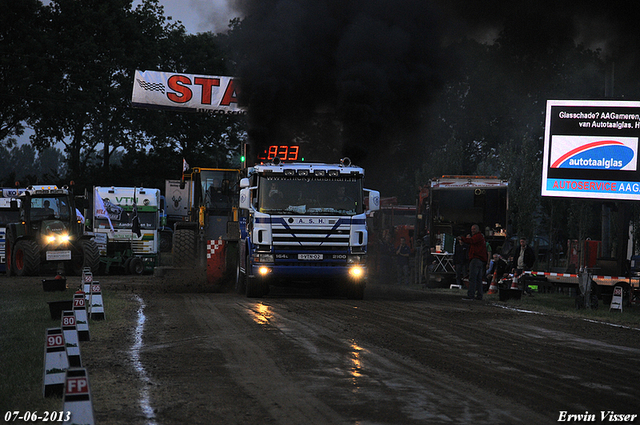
{"type": "Point", "coordinates": [477, 261]}
{"type": "Point", "coordinates": [460, 260]}
{"type": "Point", "coordinates": [523, 258]}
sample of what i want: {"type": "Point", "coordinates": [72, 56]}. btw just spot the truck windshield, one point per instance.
{"type": "Point", "coordinates": [315, 196]}
{"type": "Point", "coordinates": [49, 208]}
{"type": "Point", "coordinates": [219, 188]}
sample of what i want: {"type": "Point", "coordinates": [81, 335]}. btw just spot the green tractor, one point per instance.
{"type": "Point", "coordinates": [50, 231]}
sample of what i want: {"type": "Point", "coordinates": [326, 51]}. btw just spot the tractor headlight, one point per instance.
{"type": "Point", "coordinates": [57, 239]}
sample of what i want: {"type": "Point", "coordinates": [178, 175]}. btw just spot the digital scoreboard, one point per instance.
{"type": "Point", "coordinates": [283, 152]}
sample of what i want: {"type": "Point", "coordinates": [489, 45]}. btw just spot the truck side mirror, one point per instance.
{"type": "Point", "coordinates": [245, 198]}
{"type": "Point", "coordinates": [374, 200]}
{"type": "Point", "coordinates": [244, 183]}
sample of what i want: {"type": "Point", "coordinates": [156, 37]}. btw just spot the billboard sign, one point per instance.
{"type": "Point", "coordinates": [171, 90]}
{"type": "Point", "coordinates": [591, 149]}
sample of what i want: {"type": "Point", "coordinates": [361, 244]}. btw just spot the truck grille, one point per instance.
{"type": "Point", "coordinates": [331, 242]}
{"type": "Point", "coordinates": [297, 239]}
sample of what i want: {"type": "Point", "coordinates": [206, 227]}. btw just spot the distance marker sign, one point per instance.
{"type": "Point", "coordinates": [591, 150]}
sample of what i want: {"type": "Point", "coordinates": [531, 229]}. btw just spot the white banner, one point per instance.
{"type": "Point", "coordinates": [99, 210]}
{"type": "Point", "coordinates": [204, 93]}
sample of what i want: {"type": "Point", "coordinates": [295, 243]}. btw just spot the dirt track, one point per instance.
{"type": "Point", "coordinates": [398, 357]}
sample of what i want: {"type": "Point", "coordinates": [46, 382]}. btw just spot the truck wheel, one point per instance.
{"type": "Point", "coordinates": [255, 287]}
{"type": "Point", "coordinates": [26, 258]}
{"type": "Point", "coordinates": [354, 291]}
{"type": "Point", "coordinates": [136, 266]}
{"type": "Point", "coordinates": [126, 265]}
{"type": "Point", "coordinates": [184, 248]}
{"type": "Point", "coordinates": [240, 280]}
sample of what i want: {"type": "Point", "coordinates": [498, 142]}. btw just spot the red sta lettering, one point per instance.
{"type": "Point", "coordinates": [230, 94]}
{"type": "Point", "coordinates": [175, 83]}
{"type": "Point", "coordinates": [206, 84]}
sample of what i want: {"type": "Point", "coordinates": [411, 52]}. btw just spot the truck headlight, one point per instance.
{"type": "Point", "coordinates": [263, 271]}
{"type": "Point", "coordinates": [356, 272]}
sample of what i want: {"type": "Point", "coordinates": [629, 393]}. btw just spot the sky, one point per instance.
{"type": "Point", "coordinates": [200, 15]}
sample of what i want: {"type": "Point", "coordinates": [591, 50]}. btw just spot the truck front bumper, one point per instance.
{"type": "Point", "coordinates": [354, 272]}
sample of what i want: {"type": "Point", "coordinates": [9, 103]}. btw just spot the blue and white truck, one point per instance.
{"type": "Point", "coordinates": [304, 222]}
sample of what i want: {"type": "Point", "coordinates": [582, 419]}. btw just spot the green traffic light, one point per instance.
{"type": "Point", "coordinates": [242, 158]}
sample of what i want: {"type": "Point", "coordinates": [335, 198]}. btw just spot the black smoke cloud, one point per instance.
{"type": "Point", "coordinates": [355, 75]}
{"type": "Point", "coordinates": [357, 70]}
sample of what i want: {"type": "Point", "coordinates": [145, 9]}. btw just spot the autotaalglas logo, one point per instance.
{"type": "Point", "coordinates": [594, 153]}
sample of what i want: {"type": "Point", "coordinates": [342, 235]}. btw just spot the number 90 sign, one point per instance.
{"type": "Point", "coordinates": [55, 341]}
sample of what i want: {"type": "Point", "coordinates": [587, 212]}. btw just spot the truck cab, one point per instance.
{"type": "Point", "coordinates": [304, 222]}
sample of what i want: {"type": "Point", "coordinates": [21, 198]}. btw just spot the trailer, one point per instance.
{"type": "Point", "coordinates": [591, 276]}
{"type": "Point", "coordinates": [447, 207]}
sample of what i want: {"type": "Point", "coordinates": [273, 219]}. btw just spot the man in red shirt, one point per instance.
{"type": "Point", "coordinates": [477, 261]}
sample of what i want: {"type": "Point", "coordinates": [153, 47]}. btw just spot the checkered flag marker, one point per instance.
{"type": "Point", "coordinates": [151, 86]}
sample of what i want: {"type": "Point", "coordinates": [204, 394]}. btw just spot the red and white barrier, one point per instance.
{"type": "Point", "coordinates": [216, 263]}
{"type": "Point", "coordinates": [55, 362]}
{"type": "Point", "coordinates": [96, 307]}
{"type": "Point", "coordinates": [77, 398]}
{"type": "Point", "coordinates": [82, 322]}
{"type": "Point", "coordinates": [71, 340]}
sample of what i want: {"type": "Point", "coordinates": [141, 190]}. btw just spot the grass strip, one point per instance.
{"type": "Point", "coordinates": [24, 318]}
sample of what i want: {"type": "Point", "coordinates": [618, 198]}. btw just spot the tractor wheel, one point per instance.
{"type": "Point", "coordinates": [26, 258]}
{"type": "Point", "coordinates": [184, 248]}
{"type": "Point", "coordinates": [90, 258]}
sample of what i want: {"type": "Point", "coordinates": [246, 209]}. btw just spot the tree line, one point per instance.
{"type": "Point", "coordinates": [66, 75]}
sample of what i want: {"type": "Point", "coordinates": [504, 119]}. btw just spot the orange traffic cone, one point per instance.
{"type": "Point", "coordinates": [493, 287]}
{"type": "Point", "coordinates": [514, 283]}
